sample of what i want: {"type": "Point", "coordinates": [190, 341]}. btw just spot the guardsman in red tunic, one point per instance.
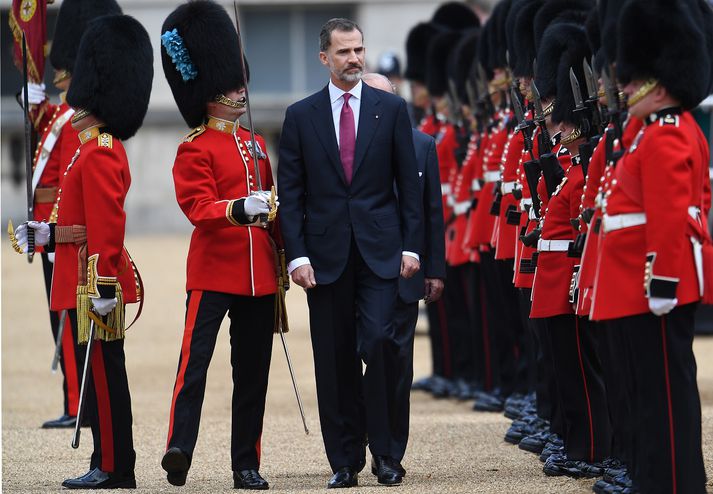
{"type": "Point", "coordinates": [56, 146]}
{"type": "Point", "coordinates": [581, 392]}
{"type": "Point", "coordinates": [231, 266]}
{"type": "Point", "coordinates": [651, 263]}
{"type": "Point", "coordinates": [94, 277]}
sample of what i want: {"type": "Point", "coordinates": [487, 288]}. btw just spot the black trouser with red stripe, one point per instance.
{"type": "Point", "coordinates": [71, 358]}
{"type": "Point", "coordinates": [462, 320]}
{"type": "Point", "coordinates": [540, 366]}
{"type": "Point", "coordinates": [582, 398]}
{"type": "Point", "coordinates": [666, 407]}
{"type": "Point", "coordinates": [109, 407]}
{"type": "Point", "coordinates": [251, 332]}
{"type": "Point", "coordinates": [439, 337]}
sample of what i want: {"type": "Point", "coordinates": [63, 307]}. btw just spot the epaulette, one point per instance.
{"type": "Point", "coordinates": [105, 140]}
{"type": "Point", "coordinates": [563, 151]}
{"type": "Point", "coordinates": [194, 133]}
{"type": "Point", "coordinates": [669, 120]}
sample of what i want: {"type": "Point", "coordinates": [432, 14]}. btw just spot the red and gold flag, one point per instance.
{"type": "Point", "coordinates": [30, 16]}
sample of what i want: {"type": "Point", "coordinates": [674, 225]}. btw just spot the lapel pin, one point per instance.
{"type": "Point", "coordinates": [377, 116]}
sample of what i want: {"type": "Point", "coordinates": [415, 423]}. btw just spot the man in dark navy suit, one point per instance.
{"type": "Point", "coordinates": [427, 284]}
{"type": "Point", "coordinates": [347, 240]}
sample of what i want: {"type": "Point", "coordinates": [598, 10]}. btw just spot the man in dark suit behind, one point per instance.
{"type": "Point", "coordinates": [347, 240]}
{"type": "Point", "coordinates": [427, 284]}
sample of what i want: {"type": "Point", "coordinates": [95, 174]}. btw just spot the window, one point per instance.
{"type": "Point", "coordinates": [282, 47]}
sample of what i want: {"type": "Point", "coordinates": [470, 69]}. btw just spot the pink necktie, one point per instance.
{"type": "Point", "coordinates": [346, 138]}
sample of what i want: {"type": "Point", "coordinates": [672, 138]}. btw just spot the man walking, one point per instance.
{"type": "Point", "coordinates": [347, 240]}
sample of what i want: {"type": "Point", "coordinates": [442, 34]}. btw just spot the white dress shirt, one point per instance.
{"type": "Point", "coordinates": [337, 102]}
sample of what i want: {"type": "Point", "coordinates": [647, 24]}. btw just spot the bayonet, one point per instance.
{"type": "Point", "coordinates": [592, 97]}
{"type": "Point", "coordinates": [589, 79]}
{"type": "Point", "coordinates": [540, 120]}
{"type": "Point", "coordinates": [576, 91]}
{"type": "Point", "coordinates": [522, 125]}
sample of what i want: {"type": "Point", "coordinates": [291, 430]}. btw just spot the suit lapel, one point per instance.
{"type": "Point", "coordinates": [324, 128]}
{"type": "Point", "coordinates": [369, 117]}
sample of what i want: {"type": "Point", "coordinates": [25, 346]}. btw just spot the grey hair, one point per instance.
{"type": "Point", "coordinates": [375, 76]}
{"type": "Point", "coordinates": [336, 24]}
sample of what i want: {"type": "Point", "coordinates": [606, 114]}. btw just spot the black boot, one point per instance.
{"type": "Point", "coordinates": [249, 479]}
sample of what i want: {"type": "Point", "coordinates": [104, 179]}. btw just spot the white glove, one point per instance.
{"type": "Point", "coordinates": [42, 233]}
{"type": "Point", "coordinates": [35, 94]}
{"type": "Point", "coordinates": [50, 257]}
{"type": "Point", "coordinates": [662, 306]}
{"type": "Point", "coordinates": [256, 204]}
{"type": "Point", "coordinates": [266, 194]}
{"type": "Point", "coordinates": [104, 305]}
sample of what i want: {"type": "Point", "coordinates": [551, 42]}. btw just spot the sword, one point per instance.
{"type": "Point", "coordinates": [58, 342]}
{"type": "Point", "coordinates": [253, 143]}
{"type": "Point", "coordinates": [85, 384]}
{"type": "Point", "coordinates": [28, 153]}
{"type": "Point", "coordinates": [294, 381]}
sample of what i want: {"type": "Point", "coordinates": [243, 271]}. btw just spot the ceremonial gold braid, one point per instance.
{"type": "Point", "coordinates": [273, 206]}
{"type": "Point", "coordinates": [13, 238]}
{"type": "Point", "coordinates": [643, 91]}
{"type": "Point", "coordinates": [571, 137]}
{"type": "Point", "coordinates": [224, 100]}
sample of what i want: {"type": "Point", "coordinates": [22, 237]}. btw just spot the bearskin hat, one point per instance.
{"type": "Point", "coordinates": [417, 43]}
{"type": "Point", "coordinates": [663, 40]}
{"type": "Point", "coordinates": [439, 50]}
{"type": "Point", "coordinates": [200, 54]}
{"type": "Point", "coordinates": [484, 51]}
{"type": "Point", "coordinates": [497, 43]}
{"type": "Point", "coordinates": [515, 8]}
{"type": "Point", "coordinates": [706, 20]}
{"type": "Point", "coordinates": [576, 51]}
{"type": "Point", "coordinates": [608, 18]}
{"type": "Point", "coordinates": [524, 38]}
{"type": "Point", "coordinates": [72, 21]}
{"type": "Point", "coordinates": [113, 73]}
{"type": "Point", "coordinates": [554, 11]}
{"type": "Point", "coordinates": [455, 15]}
{"type": "Point", "coordinates": [563, 45]}
{"type": "Point", "coordinates": [461, 59]}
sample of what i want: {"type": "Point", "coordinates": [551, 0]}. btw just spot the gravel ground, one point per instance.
{"type": "Point", "coordinates": [452, 448]}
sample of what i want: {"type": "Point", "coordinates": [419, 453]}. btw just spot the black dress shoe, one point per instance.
{"type": "Point", "coordinates": [489, 402]}
{"type": "Point", "coordinates": [394, 463]}
{"type": "Point", "coordinates": [249, 479]}
{"type": "Point", "coordinates": [63, 422]}
{"type": "Point", "coordinates": [342, 478]}
{"type": "Point", "coordinates": [557, 465]}
{"type": "Point", "coordinates": [423, 384]}
{"type": "Point", "coordinates": [97, 479]}
{"type": "Point", "coordinates": [387, 473]}
{"type": "Point", "coordinates": [176, 464]}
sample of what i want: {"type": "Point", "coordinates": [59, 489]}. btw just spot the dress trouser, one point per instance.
{"type": "Point", "coordinates": [352, 321]}
{"type": "Point", "coordinates": [405, 318]}
{"type": "Point", "coordinates": [439, 338]}
{"type": "Point", "coordinates": [71, 358]}
{"type": "Point", "coordinates": [501, 357]}
{"type": "Point", "coordinates": [517, 344]}
{"type": "Point", "coordinates": [582, 398]}
{"type": "Point", "coordinates": [538, 365]}
{"type": "Point", "coordinates": [612, 353]}
{"type": "Point", "coordinates": [251, 334]}
{"type": "Point", "coordinates": [459, 309]}
{"type": "Point", "coordinates": [666, 407]}
{"type": "Point", "coordinates": [109, 406]}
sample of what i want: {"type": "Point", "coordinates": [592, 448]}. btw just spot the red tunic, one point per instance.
{"type": "Point", "coordinates": [550, 290]}
{"type": "Point", "coordinates": [523, 254]}
{"type": "Point", "coordinates": [661, 175]}
{"type": "Point", "coordinates": [507, 235]}
{"type": "Point", "coordinates": [594, 190]}
{"type": "Point", "coordinates": [212, 169]}
{"type": "Point", "coordinates": [92, 194]}
{"type": "Point", "coordinates": [481, 222]}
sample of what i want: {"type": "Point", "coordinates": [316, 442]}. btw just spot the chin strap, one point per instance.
{"type": "Point", "coordinates": [224, 100]}
{"type": "Point", "coordinates": [643, 91]}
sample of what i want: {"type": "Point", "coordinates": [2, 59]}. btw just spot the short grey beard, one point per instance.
{"type": "Point", "coordinates": [351, 77]}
